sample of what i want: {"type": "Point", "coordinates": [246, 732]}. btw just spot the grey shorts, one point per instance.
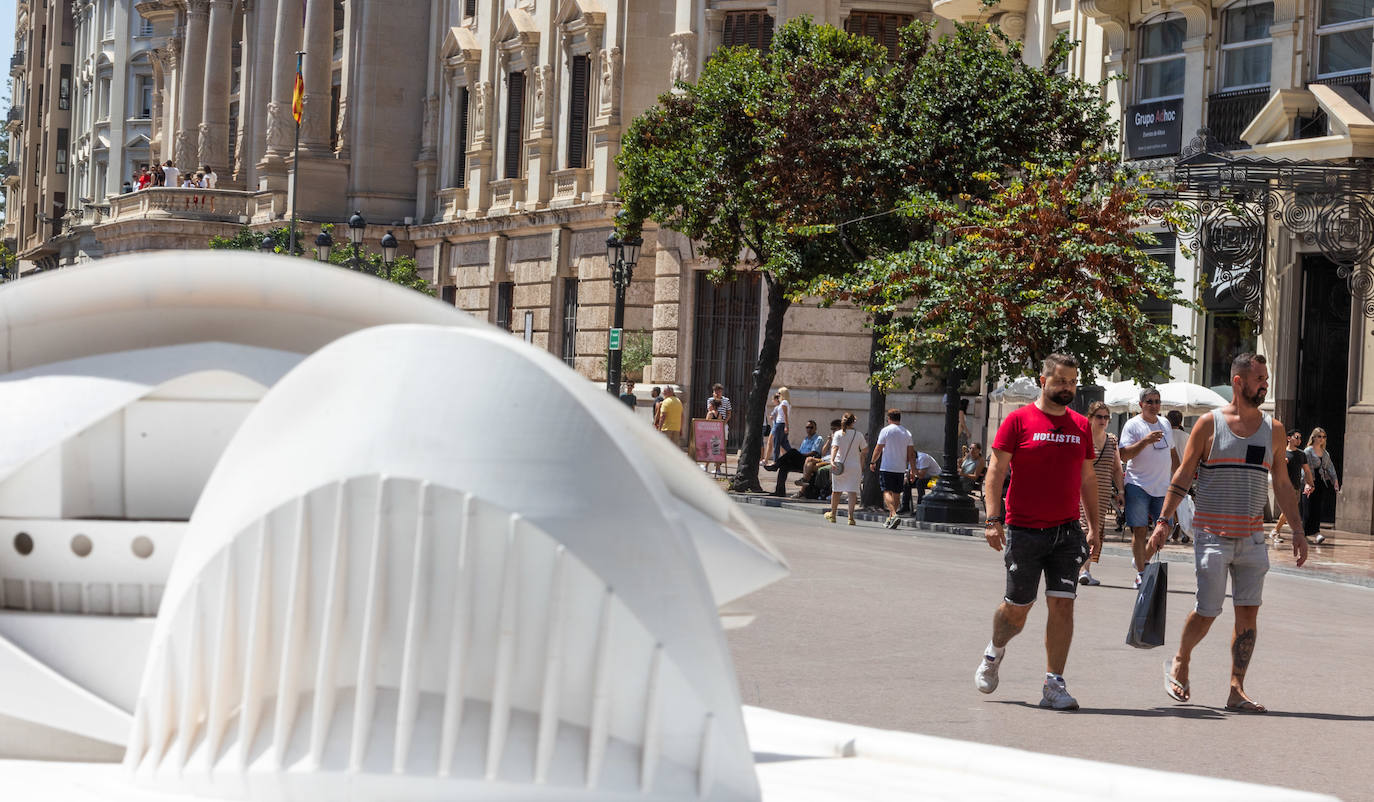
{"type": "Point", "coordinates": [1245, 559]}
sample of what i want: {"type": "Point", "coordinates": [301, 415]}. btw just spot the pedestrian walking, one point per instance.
{"type": "Point", "coordinates": [1108, 477]}
{"type": "Point", "coordinates": [1326, 484]}
{"type": "Point", "coordinates": [628, 397]}
{"type": "Point", "coordinates": [847, 447]}
{"type": "Point", "coordinates": [670, 415]}
{"type": "Point", "coordinates": [1147, 449]}
{"type": "Point", "coordinates": [656, 398]}
{"type": "Point", "coordinates": [1048, 448]}
{"type": "Point", "coordinates": [1299, 476]}
{"type": "Point", "coordinates": [768, 430]}
{"type": "Point", "coordinates": [726, 410]}
{"type": "Point", "coordinates": [781, 420]}
{"type": "Point", "coordinates": [895, 461]}
{"type": "Point", "coordinates": [1230, 450]}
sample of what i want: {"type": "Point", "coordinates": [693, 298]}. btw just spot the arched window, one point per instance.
{"type": "Point", "coordinates": [1245, 45]}
{"type": "Point", "coordinates": [1160, 67]}
{"type": "Point", "coordinates": [1345, 37]}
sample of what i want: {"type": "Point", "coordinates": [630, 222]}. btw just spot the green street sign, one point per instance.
{"type": "Point", "coordinates": [615, 339]}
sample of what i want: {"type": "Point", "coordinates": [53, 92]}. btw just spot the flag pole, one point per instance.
{"type": "Point", "coordinates": [298, 109]}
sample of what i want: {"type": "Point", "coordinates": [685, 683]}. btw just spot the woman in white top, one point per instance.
{"type": "Point", "coordinates": [1326, 482]}
{"type": "Point", "coordinates": [847, 447]}
{"type": "Point", "coordinates": [781, 415]}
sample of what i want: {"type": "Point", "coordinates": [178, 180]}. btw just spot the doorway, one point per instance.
{"type": "Point", "coordinates": [1324, 360]}
{"type": "Point", "coordinates": [725, 345]}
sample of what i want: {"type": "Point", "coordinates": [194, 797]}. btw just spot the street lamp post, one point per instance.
{"type": "Point", "coordinates": [356, 225]}
{"type": "Point", "coordinates": [323, 243]}
{"type": "Point", "coordinates": [389, 248]}
{"type": "Point", "coordinates": [621, 256]}
{"type": "Point", "coordinates": [948, 502]}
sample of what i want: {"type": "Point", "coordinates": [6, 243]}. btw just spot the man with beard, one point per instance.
{"type": "Point", "coordinates": [1050, 449]}
{"type": "Point", "coordinates": [1231, 449]}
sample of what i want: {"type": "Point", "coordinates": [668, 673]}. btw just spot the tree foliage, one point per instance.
{"type": "Point", "coordinates": [404, 270]}
{"type": "Point", "coordinates": [741, 160]}
{"type": "Point", "coordinates": [1051, 260]}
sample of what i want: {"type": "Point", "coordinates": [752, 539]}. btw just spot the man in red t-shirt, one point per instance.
{"type": "Point", "coordinates": [1049, 448]}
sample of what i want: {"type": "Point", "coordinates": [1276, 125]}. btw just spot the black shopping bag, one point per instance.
{"type": "Point", "coordinates": [1147, 619]}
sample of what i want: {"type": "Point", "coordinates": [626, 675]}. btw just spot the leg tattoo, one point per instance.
{"type": "Point", "coordinates": [1241, 650]}
{"type": "Point", "coordinates": [1004, 629]}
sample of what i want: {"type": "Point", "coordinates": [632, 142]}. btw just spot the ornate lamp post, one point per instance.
{"type": "Point", "coordinates": [621, 256]}
{"type": "Point", "coordinates": [323, 243]}
{"type": "Point", "coordinates": [356, 225]}
{"type": "Point", "coordinates": [389, 248]}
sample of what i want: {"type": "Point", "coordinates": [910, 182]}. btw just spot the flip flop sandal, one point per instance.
{"type": "Point", "coordinates": [1246, 706]}
{"type": "Point", "coordinates": [1178, 691]}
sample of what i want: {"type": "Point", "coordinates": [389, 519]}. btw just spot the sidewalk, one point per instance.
{"type": "Point", "coordinates": [1345, 557]}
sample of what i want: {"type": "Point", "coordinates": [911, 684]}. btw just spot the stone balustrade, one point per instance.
{"type": "Point", "coordinates": [219, 205]}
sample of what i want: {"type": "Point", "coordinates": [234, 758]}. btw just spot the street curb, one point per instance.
{"type": "Point", "coordinates": [923, 527]}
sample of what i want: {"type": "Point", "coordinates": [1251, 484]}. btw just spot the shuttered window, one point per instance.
{"type": "Point", "coordinates": [881, 28]}
{"type": "Point", "coordinates": [469, 8]}
{"type": "Point", "coordinates": [748, 29]}
{"type": "Point", "coordinates": [460, 159]}
{"type": "Point", "coordinates": [515, 118]}
{"type": "Point", "coordinates": [577, 111]}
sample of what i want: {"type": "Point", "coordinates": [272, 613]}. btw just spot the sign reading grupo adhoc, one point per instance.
{"type": "Point", "coordinates": [1154, 129]}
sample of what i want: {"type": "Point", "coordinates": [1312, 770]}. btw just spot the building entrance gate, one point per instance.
{"type": "Point", "coordinates": [1224, 207]}
{"type": "Point", "coordinates": [725, 344]}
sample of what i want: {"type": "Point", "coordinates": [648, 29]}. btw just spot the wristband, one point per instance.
{"type": "Point", "coordinates": [1165, 521]}
{"type": "Point", "coordinates": [996, 519]}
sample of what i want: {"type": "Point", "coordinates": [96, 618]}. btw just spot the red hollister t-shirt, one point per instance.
{"type": "Point", "coordinates": [1047, 453]}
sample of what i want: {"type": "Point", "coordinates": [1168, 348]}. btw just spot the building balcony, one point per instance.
{"type": "Point", "coordinates": [453, 203]}
{"type": "Point", "coordinates": [507, 195]}
{"type": "Point", "coordinates": [570, 185]}
{"type": "Point", "coordinates": [9, 171]}
{"type": "Point", "coordinates": [15, 114]}
{"type": "Point", "coordinates": [17, 62]}
{"type": "Point", "coordinates": [1230, 113]}
{"type": "Point", "coordinates": [210, 205]}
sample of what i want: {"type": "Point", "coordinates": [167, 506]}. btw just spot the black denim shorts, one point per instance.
{"type": "Point", "coordinates": [1056, 552]}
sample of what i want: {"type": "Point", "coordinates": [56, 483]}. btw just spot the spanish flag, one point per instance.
{"type": "Point", "coordinates": [298, 97]}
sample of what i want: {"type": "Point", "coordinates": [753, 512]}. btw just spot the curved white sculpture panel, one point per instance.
{"type": "Point", "coordinates": [356, 597]}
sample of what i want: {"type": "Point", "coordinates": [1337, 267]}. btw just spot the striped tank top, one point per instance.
{"type": "Point", "coordinates": [1233, 483]}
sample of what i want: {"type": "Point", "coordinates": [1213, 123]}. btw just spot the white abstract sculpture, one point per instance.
{"type": "Point", "coordinates": [482, 577]}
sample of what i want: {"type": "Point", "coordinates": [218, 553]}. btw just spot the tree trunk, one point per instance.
{"type": "Point", "coordinates": [872, 496]}
{"type": "Point", "coordinates": [765, 369]}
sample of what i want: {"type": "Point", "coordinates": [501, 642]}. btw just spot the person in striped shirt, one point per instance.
{"type": "Point", "coordinates": [1231, 450]}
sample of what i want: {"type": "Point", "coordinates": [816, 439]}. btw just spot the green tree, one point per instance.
{"type": "Point", "coordinates": [404, 270]}
{"type": "Point", "coordinates": [957, 109]}
{"type": "Point", "coordinates": [741, 161]}
{"type": "Point", "coordinates": [1051, 260]}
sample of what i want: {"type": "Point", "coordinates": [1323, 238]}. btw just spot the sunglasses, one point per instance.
{"type": "Point", "coordinates": [1150, 401]}
{"type": "Point", "coordinates": [1102, 417]}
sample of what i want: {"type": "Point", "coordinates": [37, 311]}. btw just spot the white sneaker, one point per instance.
{"type": "Point", "coordinates": [1137, 580]}
{"type": "Point", "coordinates": [1087, 578]}
{"type": "Point", "coordinates": [892, 522]}
{"type": "Point", "coordinates": [1056, 696]}
{"type": "Point", "coordinates": [985, 678]}
{"type": "Point", "coordinates": [1319, 539]}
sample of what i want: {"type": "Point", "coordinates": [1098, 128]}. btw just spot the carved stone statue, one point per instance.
{"type": "Point", "coordinates": [684, 57]}
{"type": "Point", "coordinates": [280, 128]}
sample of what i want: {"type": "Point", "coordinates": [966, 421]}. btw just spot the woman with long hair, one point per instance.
{"type": "Point", "coordinates": [847, 448]}
{"type": "Point", "coordinates": [1111, 481]}
{"type": "Point", "coordinates": [1326, 482]}
{"type": "Point", "coordinates": [782, 414]}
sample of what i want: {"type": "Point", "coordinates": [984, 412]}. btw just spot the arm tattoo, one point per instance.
{"type": "Point", "coordinates": [1241, 650]}
{"type": "Point", "coordinates": [1175, 490]}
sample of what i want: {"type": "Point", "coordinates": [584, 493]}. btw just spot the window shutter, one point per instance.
{"type": "Point", "coordinates": [893, 23]}
{"type": "Point", "coordinates": [577, 112]}
{"type": "Point", "coordinates": [469, 8]}
{"type": "Point", "coordinates": [515, 118]}
{"type": "Point", "coordinates": [765, 39]}
{"type": "Point", "coordinates": [731, 37]}
{"type": "Point", "coordinates": [461, 157]}
{"type": "Point", "coordinates": [748, 28]}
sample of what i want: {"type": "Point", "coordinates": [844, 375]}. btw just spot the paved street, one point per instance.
{"type": "Point", "coordinates": [885, 629]}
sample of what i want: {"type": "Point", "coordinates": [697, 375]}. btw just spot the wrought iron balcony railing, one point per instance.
{"type": "Point", "coordinates": [1230, 113]}
{"type": "Point", "coordinates": [1360, 83]}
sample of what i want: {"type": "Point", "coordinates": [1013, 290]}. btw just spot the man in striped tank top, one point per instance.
{"type": "Point", "coordinates": [1230, 450]}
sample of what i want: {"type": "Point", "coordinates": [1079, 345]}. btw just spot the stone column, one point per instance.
{"type": "Point", "coordinates": [281, 129]}
{"type": "Point", "coordinates": [319, 57]}
{"type": "Point", "coordinates": [258, 86]}
{"type": "Point", "coordinates": [192, 84]}
{"type": "Point", "coordinates": [219, 65]}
